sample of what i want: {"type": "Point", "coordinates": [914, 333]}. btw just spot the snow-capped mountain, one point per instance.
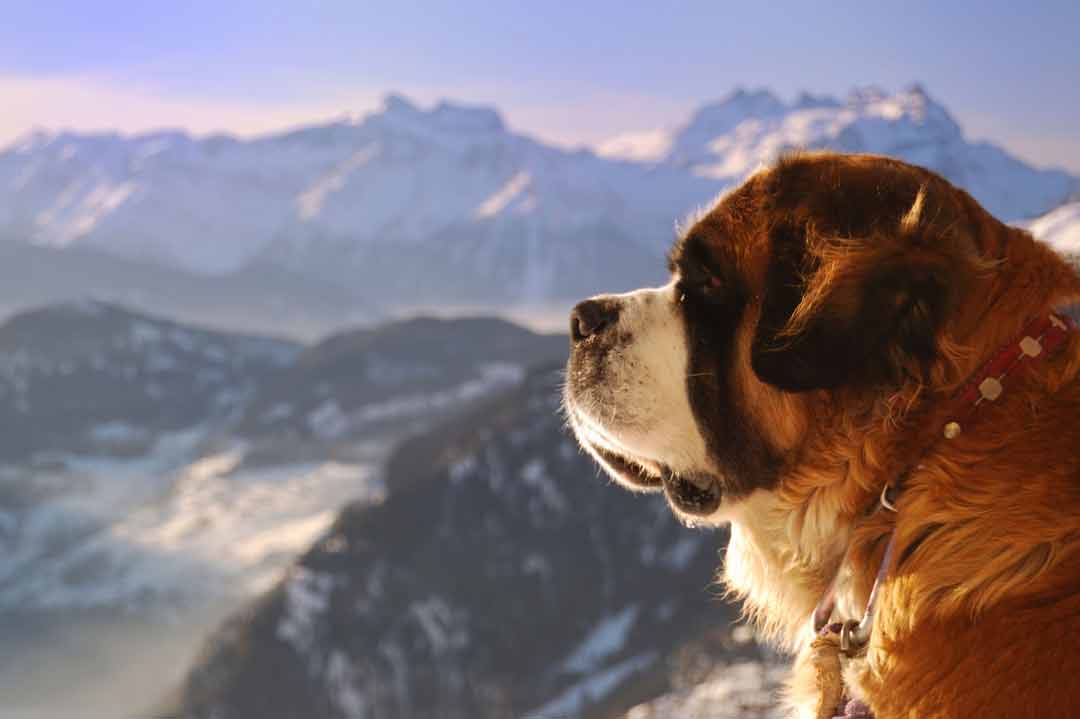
{"type": "Point", "coordinates": [500, 578]}
{"type": "Point", "coordinates": [729, 139]}
{"type": "Point", "coordinates": [410, 205]}
{"type": "Point", "coordinates": [404, 204]}
{"type": "Point", "coordinates": [1060, 228]}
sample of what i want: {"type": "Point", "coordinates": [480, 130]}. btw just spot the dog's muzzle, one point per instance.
{"type": "Point", "coordinates": [696, 495]}
{"type": "Point", "coordinates": [591, 317]}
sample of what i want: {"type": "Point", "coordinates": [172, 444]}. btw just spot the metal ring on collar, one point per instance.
{"type": "Point", "coordinates": [885, 501]}
{"type": "Point", "coordinates": [854, 636]}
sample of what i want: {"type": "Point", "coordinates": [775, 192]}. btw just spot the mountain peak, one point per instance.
{"type": "Point", "coordinates": [728, 139]}
{"type": "Point", "coordinates": [866, 94]}
{"type": "Point", "coordinates": [723, 116]}
{"type": "Point", "coordinates": [808, 101]}
{"type": "Point", "coordinates": [397, 104]}
{"type": "Point", "coordinates": [476, 118]}
{"type": "Point", "coordinates": [743, 95]}
{"type": "Point", "coordinates": [917, 89]}
{"type": "Point", "coordinates": [445, 116]}
{"type": "Point", "coordinates": [740, 102]}
{"type": "Point", "coordinates": [913, 103]}
{"type": "Point", "coordinates": [33, 139]}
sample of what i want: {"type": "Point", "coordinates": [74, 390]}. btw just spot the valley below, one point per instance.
{"type": "Point", "coordinates": [128, 539]}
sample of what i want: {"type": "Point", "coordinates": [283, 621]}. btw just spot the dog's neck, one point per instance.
{"type": "Point", "coordinates": [777, 562]}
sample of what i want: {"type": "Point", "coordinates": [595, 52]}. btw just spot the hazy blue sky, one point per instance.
{"type": "Point", "coordinates": [571, 72]}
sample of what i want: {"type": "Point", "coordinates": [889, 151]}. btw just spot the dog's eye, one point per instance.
{"type": "Point", "coordinates": [708, 285]}
{"type": "Point", "coordinates": [700, 287]}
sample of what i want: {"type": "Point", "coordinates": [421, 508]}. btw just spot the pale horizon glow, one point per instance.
{"type": "Point", "coordinates": [567, 76]}
{"type": "Point", "coordinates": [90, 105]}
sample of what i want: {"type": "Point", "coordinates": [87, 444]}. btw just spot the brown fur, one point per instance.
{"type": "Point", "coordinates": [905, 287]}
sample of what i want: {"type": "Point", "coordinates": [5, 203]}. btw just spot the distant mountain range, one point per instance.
{"type": "Point", "coordinates": [404, 206]}
{"type": "Point", "coordinates": [729, 139]}
{"type": "Point", "coordinates": [411, 206]}
{"type": "Point", "coordinates": [264, 299]}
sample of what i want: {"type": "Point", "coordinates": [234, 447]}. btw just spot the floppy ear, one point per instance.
{"type": "Point", "coordinates": [847, 312]}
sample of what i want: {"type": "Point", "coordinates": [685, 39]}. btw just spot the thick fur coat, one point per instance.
{"type": "Point", "coordinates": [819, 323]}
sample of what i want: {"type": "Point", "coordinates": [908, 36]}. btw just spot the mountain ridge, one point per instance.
{"type": "Point", "coordinates": [412, 205]}
{"type": "Point", "coordinates": [732, 137]}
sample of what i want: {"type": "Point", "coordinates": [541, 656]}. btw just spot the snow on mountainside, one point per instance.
{"type": "Point", "coordinates": [1059, 228]}
{"type": "Point", "coordinates": [368, 379]}
{"type": "Point", "coordinates": [730, 139]}
{"type": "Point", "coordinates": [730, 690]}
{"type": "Point", "coordinates": [411, 205]}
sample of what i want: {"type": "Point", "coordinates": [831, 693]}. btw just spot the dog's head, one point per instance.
{"type": "Point", "coordinates": [823, 281]}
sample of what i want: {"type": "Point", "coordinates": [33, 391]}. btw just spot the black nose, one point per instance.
{"type": "Point", "coordinates": [590, 317]}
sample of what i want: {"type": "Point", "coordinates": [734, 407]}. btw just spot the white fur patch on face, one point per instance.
{"type": "Point", "coordinates": [640, 408]}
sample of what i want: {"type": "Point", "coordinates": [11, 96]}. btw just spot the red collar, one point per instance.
{"type": "Point", "coordinates": [1040, 339]}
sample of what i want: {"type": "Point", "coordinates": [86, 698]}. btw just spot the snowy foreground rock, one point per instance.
{"type": "Point", "coordinates": [739, 690]}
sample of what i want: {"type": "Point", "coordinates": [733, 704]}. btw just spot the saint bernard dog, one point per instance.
{"type": "Point", "coordinates": [874, 382]}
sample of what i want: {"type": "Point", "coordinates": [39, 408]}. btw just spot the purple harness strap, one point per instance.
{"type": "Point", "coordinates": [854, 636]}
